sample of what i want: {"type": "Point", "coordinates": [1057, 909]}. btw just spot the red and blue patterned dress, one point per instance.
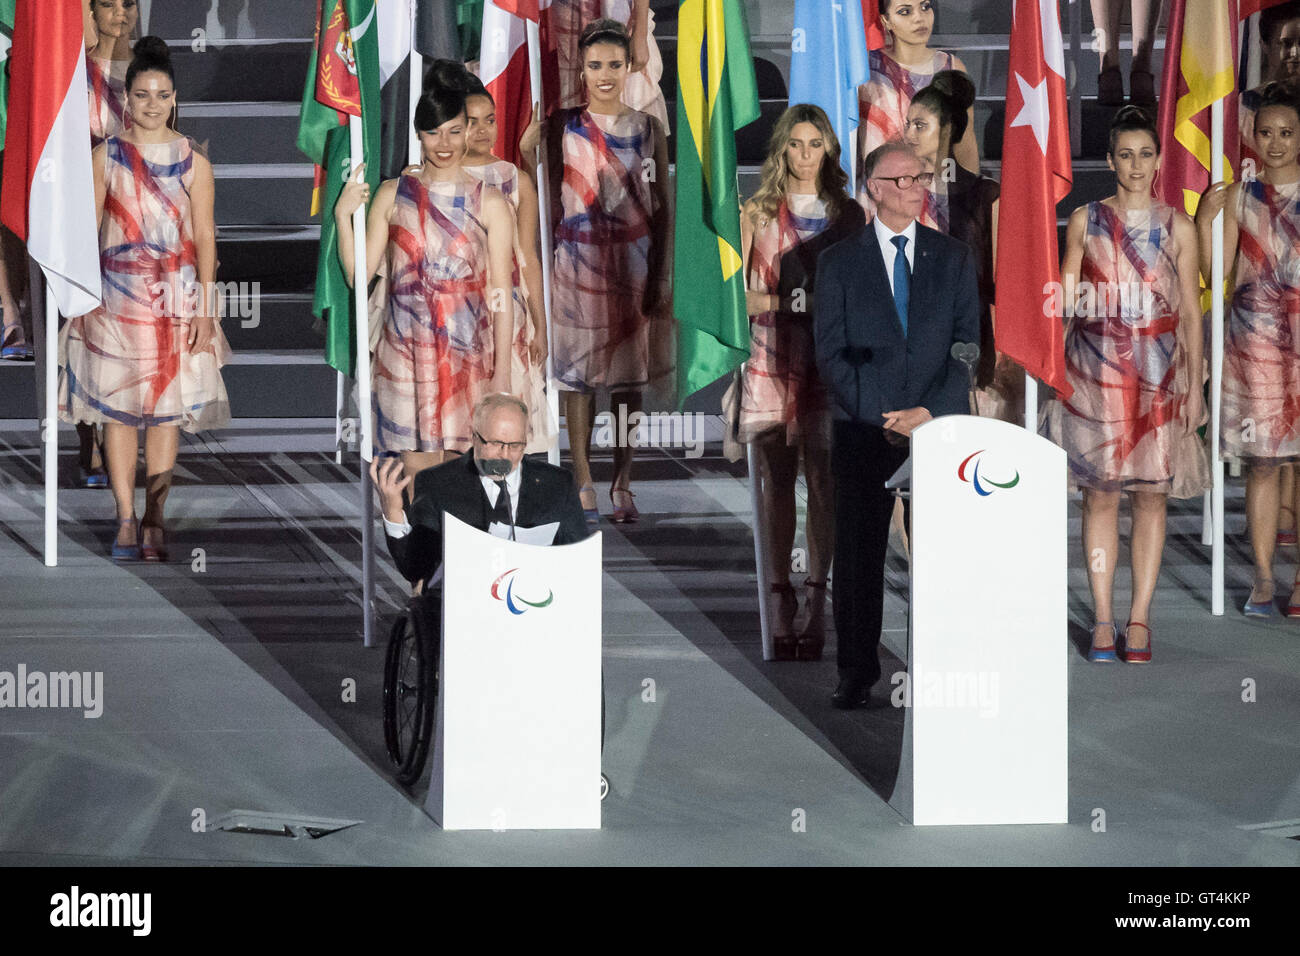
{"type": "Point", "coordinates": [1121, 429]}
{"type": "Point", "coordinates": [129, 360]}
{"type": "Point", "coordinates": [434, 357]}
{"type": "Point", "coordinates": [780, 387]}
{"type": "Point", "coordinates": [106, 87]}
{"type": "Point", "coordinates": [602, 252]}
{"type": "Point", "coordinates": [1261, 348]}
{"type": "Point", "coordinates": [883, 102]}
{"type": "Point", "coordinates": [527, 379]}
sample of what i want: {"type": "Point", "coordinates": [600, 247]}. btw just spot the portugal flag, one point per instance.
{"type": "Point", "coordinates": [1036, 158]}
{"type": "Point", "coordinates": [716, 95]}
{"type": "Point", "coordinates": [49, 193]}
{"type": "Point", "coordinates": [342, 82]}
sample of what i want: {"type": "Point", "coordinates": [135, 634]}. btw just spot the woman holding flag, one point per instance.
{"type": "Point", "coordinates": [1261, 347]}
{"type": "Point", "coordinates": [608, 169]}
{"type": "Point", "coordinates": [641, 91]}
{"type": "Point", "coordinates": [1133, 356]}
{"type": "Point", "coordinates": [108, 28]}
{"type": "Point", "coordinates": [898, 72]}
{"type": "Point", "coordinates": [150, 356]}
{"type": "Point", "coordinates": [528, 356]}
{"type": "Point", "coordinates": [449, 242]}
{"type": "Point", "coordinates": [801, 207]}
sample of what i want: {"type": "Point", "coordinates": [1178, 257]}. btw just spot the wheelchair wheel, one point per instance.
{"type": "Point", "coordinates": [410, 693]}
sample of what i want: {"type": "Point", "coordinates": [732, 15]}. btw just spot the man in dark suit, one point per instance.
{"type": "Point", "coordinates": [492, 484]}
{"type": "Point", "coordinates": [892, 300]}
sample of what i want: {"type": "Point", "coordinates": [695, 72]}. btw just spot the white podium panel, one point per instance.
{"type": "Point", "coordinates": [986, 730]}
{"type": "Point", "coordinates": [517, 745]}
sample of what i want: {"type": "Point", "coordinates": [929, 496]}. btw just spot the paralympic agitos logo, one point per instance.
{"type": "Point", "coordinates": [983, 485]}
{"type": "Point", "coordinates": [514, 603]}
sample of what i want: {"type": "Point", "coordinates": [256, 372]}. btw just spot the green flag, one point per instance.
{"type": "Point", "coordinates": [6, 41]}
{"type": "Point", "coordinates": [342, 81]}
{"type": "Point", "coordinates": [717, 95]}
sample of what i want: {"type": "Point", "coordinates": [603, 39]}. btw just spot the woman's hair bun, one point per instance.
{"type": "Point", "coordinates": [152, 48]}
{"type": "Point", "coordinates": [957, 87]}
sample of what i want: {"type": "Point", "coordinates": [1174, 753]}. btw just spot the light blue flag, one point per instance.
{"type": "Point", "coordinates": [828, 62]}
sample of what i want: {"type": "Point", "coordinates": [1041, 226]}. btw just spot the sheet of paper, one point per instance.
{"type": "Point", "coordinates": [543, 534]}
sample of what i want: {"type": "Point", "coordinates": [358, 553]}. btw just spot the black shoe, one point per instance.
{"type": "Point", "coordinates": [854, 690]}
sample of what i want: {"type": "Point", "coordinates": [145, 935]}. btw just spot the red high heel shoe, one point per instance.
{"type": "Point", "coordinates": [624, 509]}
{"type": "Point", "coordinates": [152, 552]}
{"type": "Point", "coordinates": [1140, 655]}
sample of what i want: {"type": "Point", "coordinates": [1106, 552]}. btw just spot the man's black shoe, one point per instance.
{"type": "Point", "coordinates": [854, 690]}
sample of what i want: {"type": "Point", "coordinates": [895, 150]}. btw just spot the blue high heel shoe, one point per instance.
{"type": "Point", "coordinates": [591, 514]}
{"type": "Point", "coordinates": [1103, 655]}
{"type": "Point", "coordinates": [1259, 609]}
{"type": "Point", "coordinates": [127, 552]}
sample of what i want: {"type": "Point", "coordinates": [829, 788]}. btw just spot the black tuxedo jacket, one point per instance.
{"type": "Point", "coordinates": [865, 360]}
{"type": "Point", "coordinates": [546, 494]}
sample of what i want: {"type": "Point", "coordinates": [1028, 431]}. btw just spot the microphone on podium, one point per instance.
{"type": "Point", "coordinates": [968, 353]}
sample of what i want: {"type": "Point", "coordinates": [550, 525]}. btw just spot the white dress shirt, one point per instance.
{"type": "Point", "coordinates": [513, 481]}
{"type": "Point", "coordinates": [885, 236]}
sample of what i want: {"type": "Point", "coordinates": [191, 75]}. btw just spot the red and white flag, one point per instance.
{"type": "Point", "coordinates": [1036, 158]}
{"type": "Point", "coordinates": [504, 68]}
{"type": "Point", "coordinates": [48, 196]}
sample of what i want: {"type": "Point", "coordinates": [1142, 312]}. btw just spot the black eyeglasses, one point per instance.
{"type": "Point", "coordinates": [513, 447]}
{"type": "Point", "coordinates": [905, 182]}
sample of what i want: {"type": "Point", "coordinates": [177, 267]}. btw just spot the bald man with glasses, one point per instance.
{"type": "Point", "coordinates": [892, 300]}
{"type": "Point", "coordinates": [491, 485]}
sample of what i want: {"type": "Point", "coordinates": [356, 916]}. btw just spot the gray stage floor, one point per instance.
{"type": "Point", "coordinates": [223, 675]}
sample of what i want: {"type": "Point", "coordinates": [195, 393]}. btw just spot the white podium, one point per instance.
{"type": "Point", "coordinates": [517, 744]}
{"type": "Point", "coordinates": [985, 733]}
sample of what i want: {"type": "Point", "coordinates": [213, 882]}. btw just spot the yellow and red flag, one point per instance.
{"type": "Point", "coordinates": [1199, 70]}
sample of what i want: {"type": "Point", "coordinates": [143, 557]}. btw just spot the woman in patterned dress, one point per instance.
{"type": "Point", "coordinates": [449, 243]}
{"type": "Point", "coordinates": [109, 25]}
{"type": "Point", "coordinates": [1279, 33]}
{"type": "Point", "coordinates": [641, 91]}
{"type": "Point", "coordinates": [964, 205]}
{"type": "Point", "coordinates": [150, 356]}
{"type": "Point", "coordinates": [898, 72]}
{"type": "Point", "coordinates": [1261, 349]}
{"type": "Point", "coordinates": [609, 210]}
{"type": "Point", "coordinates": [1133, 358]}
{"type": "Point", "coordinates": [528, 356]}
{"type": "Point", "coordinates": [800, 207]}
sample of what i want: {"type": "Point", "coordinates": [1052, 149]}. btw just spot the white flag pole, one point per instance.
{"type": "Point", "coordinates": [340, 398]}
{"type": "Point", "coordinates": [544, 220]}
{"type": "Point", "coordinates": [1216, 361]}
{"type": "Point", "coordinates": [413, 155]}
{"type": "Point", "coordinates": [359, 284]}
{"type": "Point", "coordinates": [1031, 403]}
{"type": "Point", "coordinates": [51, 428]}
{"type": "Point", "coordinates": [760, 546]}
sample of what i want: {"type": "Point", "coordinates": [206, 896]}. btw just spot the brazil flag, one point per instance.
{"type": "Point", "coordinates": [717, 95]}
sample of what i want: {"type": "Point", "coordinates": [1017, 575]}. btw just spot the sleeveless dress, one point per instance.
{"type": "Point", "coordinates": [641, 91]}
{"type": "Point", "coordinates": [883, 102]}
{"type": "Point", "coordinates": [1121, 428]}
{"type": "Point", "coordinates": [434, 357]}
{"type": "Point", "coordinates": [602, 248]}
{"type": "Point", "coordinates": [106, 87]}
{"type": "Point", "coordinates": [528, 380]}
{"type": "Point", "coordinates": [780, 387]}
{"type": "Point", "coordinates": [1261, 348]}
{"type": "Point", "coordinates": [128, 361]}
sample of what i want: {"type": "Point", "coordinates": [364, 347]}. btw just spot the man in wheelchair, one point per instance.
{"type": "Point", "coordinates": [492, 488]}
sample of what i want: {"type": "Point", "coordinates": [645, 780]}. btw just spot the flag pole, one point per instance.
{"type": "Point", "coordinates": [51, 429]}
{"type": "Point", "coordinates": [340, 397]}
{"type": "Point", "coordinates": [1031, 403]}
{"type": "Point", "coordinates": [760, 545]}
{"type": "Point", "coordinates": [362, 369]}
{"type": "Point", "coordinates": [544, 221]}
{"type": "Point", "coordinates": [1216, 361]}
{"type": "Point", "coordinates": [416, 87]}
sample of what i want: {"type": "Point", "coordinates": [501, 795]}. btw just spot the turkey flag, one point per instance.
{"type": "Point", "coordinates": [1036, 158]}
